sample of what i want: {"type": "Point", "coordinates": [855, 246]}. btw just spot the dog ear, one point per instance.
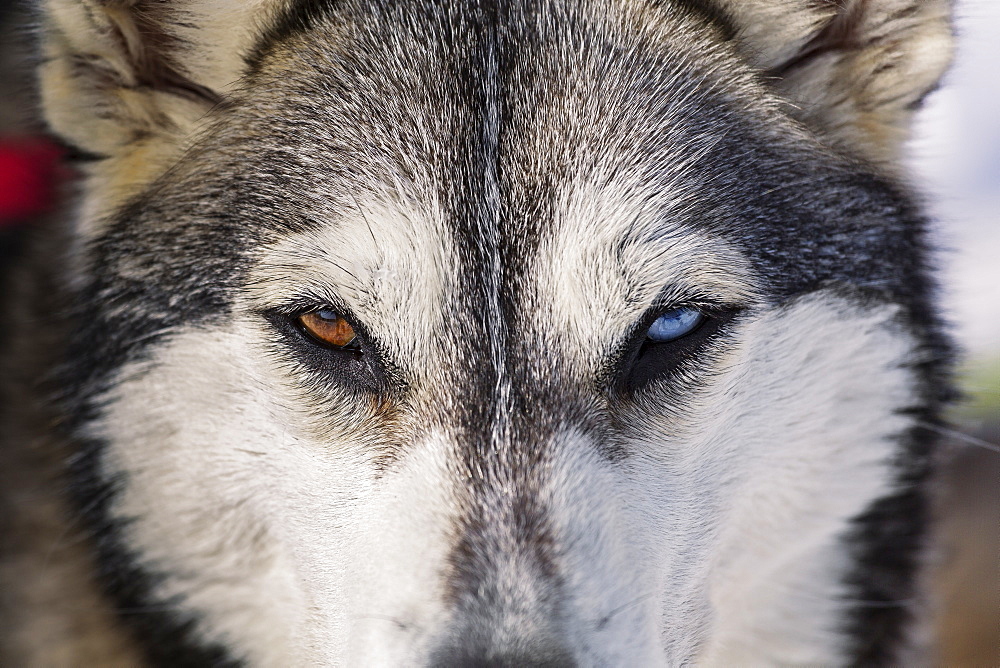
{"type": "Point", "coordinates": [855, 70]}
{"type": "Point", "coordinates": [118, 74]}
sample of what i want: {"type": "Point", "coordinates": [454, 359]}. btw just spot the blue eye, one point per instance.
{"type": "Point", "coordinates": [674, 324]}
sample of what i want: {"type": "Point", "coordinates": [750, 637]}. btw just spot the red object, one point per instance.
{"type": "Point", "coordinates": [29, 173]}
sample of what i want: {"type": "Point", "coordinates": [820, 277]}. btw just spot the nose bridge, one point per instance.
{"type": "Point", "coordinates": [536, 557]}
{"type": "Point", "coordinates": [518, 567]}
{"type": "Point", "coordinates": [504, 579]}
{"type": "Point", "coordinates": [540, 558]}
{"type": "Point", "coordinates": [505, 554]}
{"type": "Point", "coordinates": [505, 585]}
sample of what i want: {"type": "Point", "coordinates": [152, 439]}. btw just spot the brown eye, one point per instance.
{"type": "Point", "coordinates": [327, 327]}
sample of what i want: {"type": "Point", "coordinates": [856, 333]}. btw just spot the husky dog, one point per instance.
{"type": "Point", "coordinates": [446, 333]}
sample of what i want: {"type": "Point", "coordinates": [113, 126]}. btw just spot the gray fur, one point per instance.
{"type": "Point", "coordinates": [499, 198]}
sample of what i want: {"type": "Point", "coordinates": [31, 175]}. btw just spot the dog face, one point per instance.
{"type": "Point", "coordinates": [511, 334]}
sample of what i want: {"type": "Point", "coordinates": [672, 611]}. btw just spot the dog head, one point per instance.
{"type": "Point", "coordinates": [434, 333]}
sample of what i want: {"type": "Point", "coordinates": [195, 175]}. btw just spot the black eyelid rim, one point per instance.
{"type": "Point", "coordinates": [708, 308]}
{"type": "Point", "coordinates": [355, 345]}
{"type": "Point", "coordinates": [289, 312]}
{"type": "Point", "coordinates": [383, 376]}
{"type": "Point", "coordinates": [629, 345]}
{"type": "Point", "coordinates": [639, 328]}
{"type": "Point", "coordinates": [282, 316]}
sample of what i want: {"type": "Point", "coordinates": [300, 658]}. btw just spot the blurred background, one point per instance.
{"type": "Point", "coordinates": [955, 156]}
{"type": "Point", "coordinates": [955, 159]}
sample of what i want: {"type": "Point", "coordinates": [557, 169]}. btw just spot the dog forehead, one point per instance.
{"type": "Point", "coordinates": [502, 133]}
{"type": "Point", "coordinates": [493, 112]}
{"type": "Point", "coordinates": [488, 112]}
{"type": "Point", "coordinates": [478, 152]}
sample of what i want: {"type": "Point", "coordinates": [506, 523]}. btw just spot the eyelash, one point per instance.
{"type": "Point", "coordinates": [640, 360]}
{"type": "Point", "coordinates": [355, 368]}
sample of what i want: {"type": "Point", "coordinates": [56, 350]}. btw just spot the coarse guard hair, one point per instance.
{"type": "Point", "coordinates": [439, 333]}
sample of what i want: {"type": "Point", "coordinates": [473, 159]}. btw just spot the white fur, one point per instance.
{"type": "Point", "coordinates": [613, 254]}
{"type": "Point", "coordinates": [718, 530]}
{"type": "Point", "coordinates": [293, 550]}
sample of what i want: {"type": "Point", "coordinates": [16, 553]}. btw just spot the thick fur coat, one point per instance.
{"type": "Point", "coordinates": [501, 200]}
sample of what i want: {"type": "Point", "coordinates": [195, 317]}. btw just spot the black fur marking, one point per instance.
{"type": "Point", "coordinates": [888, 539]}
{"type": "Point", "coordinates": [118, 320]}
{"type": "Point", "coordinates": [644, 362]}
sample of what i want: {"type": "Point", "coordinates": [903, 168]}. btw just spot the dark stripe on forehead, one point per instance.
{"type": "Point", "coordinates": [501, 440]}
{"type": "Point", "coordinates": [485, 293]}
